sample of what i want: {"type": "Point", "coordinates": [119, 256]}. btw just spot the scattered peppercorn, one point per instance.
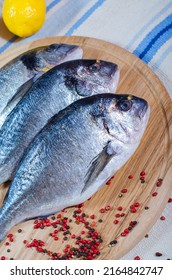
{"type": "Point", "coordinates": [158, 254]}
{"type": "Point", "coordinates": [137, 258]}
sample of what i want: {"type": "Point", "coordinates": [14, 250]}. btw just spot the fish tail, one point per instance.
{"type": "Point", "coordinates": [5, 224]}
{"type": "Point", "coordinates": [2, 226]}
{"type": "Point", "coordinates": [4, 173]}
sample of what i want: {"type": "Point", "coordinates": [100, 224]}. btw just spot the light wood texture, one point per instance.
{"type": "Point", "coordinates": [154, 155]}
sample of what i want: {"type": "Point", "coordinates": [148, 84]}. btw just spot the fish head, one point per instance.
{"type": "Point", "coordinates": [55, 54]}
{"type": "Point", "coordinates": [44, 58]}
{"type": "Point", "coordinates": [91, 77]}
{"type": "Point", "coordinates": [125, 117]}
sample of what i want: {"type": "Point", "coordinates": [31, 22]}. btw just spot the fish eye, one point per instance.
{"type": "Point", "coordinates": [94, 67]}
{"type": "Point", "coordinates": [124, 105]}
{"type": "Point", "coordinates": [52, 47]}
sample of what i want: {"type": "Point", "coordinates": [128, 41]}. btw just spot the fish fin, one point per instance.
{"type": "Point", "coordinates": [21, 91]}
{"type": "Point", "coordinates": [81, 89]}
{"type": "Point", "coordinates": [99, 162]}
{"type": "Point", "coordinates": [18, 96]}
{"type": "Point", "coordinates": [6, 196]}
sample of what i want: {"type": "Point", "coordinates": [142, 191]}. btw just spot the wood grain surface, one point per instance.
{"type": "Point", "coordinates": [154, 156]}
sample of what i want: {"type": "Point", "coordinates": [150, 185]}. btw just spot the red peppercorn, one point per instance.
{"type": "Point", "coordinates": [117, 215]}
{"type": "Point", "coordinates": [3, 258]}
{"type": "Point", "coordinates": [124, 190]}
{"type": "Point", "coordinates": [73, 236]}
{"type": "Point", "coordinates": [102, 210]}
{"type": "Point", "coordinates": [24, 241]}
{"type": "Point", "coordinates": [122, 214]}
{"type": "Point", "coordinates": [56, 238]}
{"type": "Point", "coordinates": [93, 224]}
{"type": "Point", "coordinates": [82, 232]}
{"type": "Point", "coordinates": [162, 218]}
{"type": "Point", "coordinates": [120, 208]}
{"type": "Point", "coordinates": [133, 210]}
{"type": "Point", "coordinates": [108, 182]}
{"type": "Point", "coordinates": [126, 230]}
{"type": "Point", "coordinates": [107, 208]}
{"type": "Point", "coordinates": [154, 194]}
{"type": "Point", "coordinates": [170, 200]}
{"type": "Point", "coordinates": [159, 183]}
{"type": "Point", "coordinates": [130, 176]}
{"type": "Point", "coordinates": [142, 173]}
{"type": "Point", "coordinates": [137, 258]}
{"type": "Point", "coordinates": [92, 216]}
{"type": "Point", "coordinates": [123, 234]}
{"type": "Point", "coordinates": [142, 178]}
{"type": "Point", "coordinates": [137, 204]}
{"type": "Point", "coordinates": [115, 222]}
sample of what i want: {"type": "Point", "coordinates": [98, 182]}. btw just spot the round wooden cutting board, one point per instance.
{"type": "Point", "coordinates": [154, 157]}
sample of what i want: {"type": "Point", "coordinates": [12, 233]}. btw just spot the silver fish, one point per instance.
{"type": "Point", "coordinates": [74, 155]}
{"type": "Point", "coordinates": [17, 76]}
{"type": "Point", "coordinates": [51, 93]}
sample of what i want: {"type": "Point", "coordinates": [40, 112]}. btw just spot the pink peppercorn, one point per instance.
{"type": "Point", "coordinates": [159, 183]}
{"type": "Point", "coordinates": [108, 182]}
{"type": "Point", "coordinates": [142, 173]}
{"type": "Point", "coordinates": [137, 204]}
{"type": "Point", "coordinates": [162, 218]}
{"type": "Point", "coordinates": [92, 216]}
{"type": "Point", "coordinates": [124, 190]}
{"type": "Point", "coordinates": [154, 194]}
{"type": "Point", "coordinates": [117, 215]}
{"type": "Point", "coordinates": [3, 258]}
{"type": "Point", "coordinates": [107, 208]}
{"type": "Point", "coordinates": [115, 222]}
{"type": "Point", "coordinates": [137, 258]}
{"type": "Point", "coordinates": [120, 208]}
{"type": "Point", "coordinates": [122, 214]}
{"type": "Point", "coordinates": [130, 176]}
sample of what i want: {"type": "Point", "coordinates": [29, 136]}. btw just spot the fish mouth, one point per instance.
{"type": "Point", "coordinates": [115, 79]}
{"type": "Point", "coordinates": [63, 53]}
{"type": "Point", "coordinates": [75, 52]}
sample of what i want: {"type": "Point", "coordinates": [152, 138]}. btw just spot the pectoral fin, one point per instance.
{"type": "Point", "coordinates": [21, 92]}
{"type": "Point", "coordinates": [16, 98]}
{"type": "Point", "coordinates": [98, 164]}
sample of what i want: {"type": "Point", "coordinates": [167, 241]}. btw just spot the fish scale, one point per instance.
{"type": "Point", "coordinates": [73, 156]}
{"type": "Point", "coordinates": [17, 76]}
{"type": "Point", "coordinates": [51, 93]}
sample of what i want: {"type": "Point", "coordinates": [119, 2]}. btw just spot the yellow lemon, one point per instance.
{"type": "Point", "coordinates": [24, 17]}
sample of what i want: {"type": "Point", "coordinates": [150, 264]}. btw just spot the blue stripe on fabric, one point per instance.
{"type": "Point", "coordinates": [14, 38]}
{"type": "Point", "coordinates": [52, 5]}
{"type": "Point", "coordinates": [8, 44]}
{"type": "Point", "coordinates": [163, 36]}
{"type": "Point", "coordinates": [162, 58]}
{"type": "Point", "coordinates": [84, 17]}
{"type": "Point", "coordinates": [152, 37]}
{"type": "Point", "coordinates": [164, 10]}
